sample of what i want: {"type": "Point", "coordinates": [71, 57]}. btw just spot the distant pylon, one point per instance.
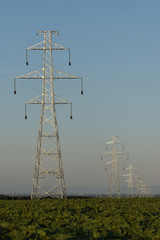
{"type": "Point", "coordinates": [114, 183]}
{"type": "Point", "coordinates": [48, 177]}
{"type": "Point", "coordinates": [130, 180]}
{"type": "Point", "coordinates": [143, 189]}
{"type": "Point", "coordinates": [137, 184]}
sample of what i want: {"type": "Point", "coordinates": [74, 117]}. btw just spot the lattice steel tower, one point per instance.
{"type": "Point", "coordinates": [137, 183]}
{"type": "Point", "coordinates": [130, 179]}
{"type": "Point", "coordinates": [48, 177]}
{"type": "Point", "coordinates": [114, 183]}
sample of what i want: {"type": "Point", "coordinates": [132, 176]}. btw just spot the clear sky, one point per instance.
{"type": "Point", "coordinates": [115, 47]}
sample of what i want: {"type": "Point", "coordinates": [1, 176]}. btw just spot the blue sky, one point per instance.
{"type": "Point", "coordinates": [115, 48]}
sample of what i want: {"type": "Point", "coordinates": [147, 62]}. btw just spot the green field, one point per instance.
{"type": "Point", "coordinates": [102, 218]}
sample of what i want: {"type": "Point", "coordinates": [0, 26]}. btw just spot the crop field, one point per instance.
{"type": "Point", "coordinates": [93, 218]}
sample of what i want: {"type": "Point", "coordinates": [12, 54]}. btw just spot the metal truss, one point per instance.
{"type": "Point", "coordinates": [142, 190]}
{"type": "Point", "coordinates": [114, 183]}
{"type": "Point", "coordinates": [130, 179]}
{"type": "Point", "coordinates": [48, 177]}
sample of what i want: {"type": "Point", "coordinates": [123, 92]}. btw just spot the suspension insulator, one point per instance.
{"type": "Point", "coordinates": [25, 116]}
{"type": "Point", "coordinates": [14, 91]}
{"type": "Point", "coordinates": [82, 92]}
{"type": "Point", "coordinates": [26, 63]}
{"type": "Point", "coordinates": [69, 63]}
{"type": "Point", "coordinates": [70, 117]}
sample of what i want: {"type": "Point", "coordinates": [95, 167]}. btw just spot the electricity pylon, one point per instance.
{"type": "Point", "coordinates": [130, 179]}
{"type": "Point", "coordinates": [48, 177]}
{"type": "Point", "coordinates": [143, 189]}
{"type": "Point", "coordinates": [137, 183]}
{"type": "Point", "coordinates": [114, 183]}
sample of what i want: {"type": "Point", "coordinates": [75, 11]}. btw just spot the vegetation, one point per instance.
{"type": "Point", "coordinates": [103, 218]}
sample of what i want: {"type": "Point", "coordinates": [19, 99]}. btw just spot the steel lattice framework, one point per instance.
{"type": "Point", "coordinates": [142, 190]}
{"type": "Point", "coordinates": [48, 177]}
{"type": "Point", "coordinates": [114, 183]}
{"type": "Point", "coordinates": [130, 180]}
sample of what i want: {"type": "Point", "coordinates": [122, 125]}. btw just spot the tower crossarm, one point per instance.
{"type": "Point", "coordinates": [122, 153]}
{"type": "Point", "coordinates": [38, 74]}
{"type": "Point", "coordinates": [110, 162]}
{"type": "Point", "coordinates": [118, 153]}
{"type": "Point", "coordinates": [57, 100]}
{"type": "Point", "coordinates": [62, 75]}
{"type": "Point", "coordinates": [108, 153]}
{"type": "Point", "coordinates": [126, 175]}
{"type": "Point", "coordinates": [51, 32]}
{"type": "Point", "coordinates": [41, 46]}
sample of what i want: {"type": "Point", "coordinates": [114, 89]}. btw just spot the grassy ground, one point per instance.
{"type": "Point", "coordinates": [102, 218]}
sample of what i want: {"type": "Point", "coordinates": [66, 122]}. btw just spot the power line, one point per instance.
{"type": "Point", "coordinates": [12, 59]}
